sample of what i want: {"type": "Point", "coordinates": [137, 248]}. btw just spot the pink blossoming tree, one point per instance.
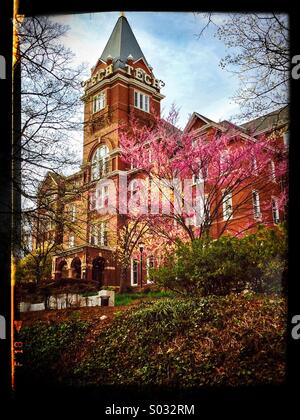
{"type": "Point", "coordinates": [221, 181]}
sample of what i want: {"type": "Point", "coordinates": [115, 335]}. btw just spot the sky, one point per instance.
{"type": "Point", "coordinates": [188, 65]}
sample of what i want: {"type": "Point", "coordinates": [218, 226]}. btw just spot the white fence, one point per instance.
{"type": "Point", "coordinates": [70, 300]}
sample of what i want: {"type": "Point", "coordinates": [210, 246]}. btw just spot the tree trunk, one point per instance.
{"type": "Point", "coordinates": [123, 278]}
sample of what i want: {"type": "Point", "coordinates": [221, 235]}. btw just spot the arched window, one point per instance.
{"type": "Point", "coordinates": [100, 162]}
{"type": "Point", "coordinates": [76, 268]}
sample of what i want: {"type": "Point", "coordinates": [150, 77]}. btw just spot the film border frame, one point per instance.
{"type": "Point", "coordinates": [35, 8]}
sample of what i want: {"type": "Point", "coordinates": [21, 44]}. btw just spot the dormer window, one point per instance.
{"type": "Point", "coordinates": [141, 101]}
{"type": "Point", "coordinates": [99, 102]}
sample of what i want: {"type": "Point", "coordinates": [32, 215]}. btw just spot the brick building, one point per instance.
{"type": "Point", "coordinates": [122, 82]}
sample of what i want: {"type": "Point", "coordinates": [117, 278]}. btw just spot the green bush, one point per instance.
{"type": "Point", "coordinates": [256, 262]}
{"type": "Point", "coordinates": [45, 346]}
{"type": "Point", "coordinates": [232, 340]}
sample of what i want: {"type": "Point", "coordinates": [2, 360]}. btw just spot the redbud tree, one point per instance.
{"type": "Point", "coordinates": [209, 182]}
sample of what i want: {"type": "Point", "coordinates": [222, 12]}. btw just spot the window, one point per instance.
{"type": "Point", "coordinates": [202, 175]}
{"type": "Point", "coordinates": [275, 210]}
{"type": "Point", "coordinates": [103, 234]}
{"type": "Point", "coordinates": [141, 101]}
{"type": "Point", "coordinates": [71, 241]}
{"type": "Point", "coordinates": [99, 234]}
{"type": "Point", "coordinates": [256, 205]}
{"type": "Point", "coordinates": [254, 166]}
{"type": "Point", "coordinates": [92, 200]}
{"type": "Point", "coordinates": [73, 212]}
{"type": "Point", "coordinates": [99, 102]}
{"type": "Point", "coordinates": [100, 162]}
{"type": "Point", "coordinates": [150, 265]}
{"type": "Point", "coordinates": [272, 171]}
{"type": "Point", "coordinates": [134, 272]}
{"type": "Point", "coordinates": [227, 205]}
{"type": "Point", "coordinates": [286, 139]}
{"type": "Point", "coordinates": [134, 187]}
{"type": "Point", "coordinates": [206, 209]}
{"type": "Point", "coordinates": [94, 235]}
{"type": "Point", "coordinates": [202, 211]}
{"type": "Point", "coordinates": [102, 199]}
{"type": "Point", "coordinates": [51, 225]}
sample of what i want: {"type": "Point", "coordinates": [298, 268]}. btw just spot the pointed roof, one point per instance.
{"type": "Point", "coordinates": [267, 122]}
{"type": "Point", "coordinates": [207, 121]}
{"type": "Point", "coordinates": [121, 44]}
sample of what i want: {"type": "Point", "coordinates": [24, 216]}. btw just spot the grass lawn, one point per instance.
{"type": "Point", "coordinates": [124, 299]}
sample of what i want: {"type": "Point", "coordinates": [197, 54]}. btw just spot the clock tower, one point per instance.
{"type": "Point", "coordinates": [122, 82]}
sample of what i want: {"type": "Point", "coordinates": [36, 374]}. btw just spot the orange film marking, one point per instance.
{"type": "Point", "coordinates": [15, 47]}
{"type": "Point", "coordinates": [12, 303]}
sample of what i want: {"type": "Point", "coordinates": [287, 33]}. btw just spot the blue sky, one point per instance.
{"type": "Point", "coordinates": [188, 65]}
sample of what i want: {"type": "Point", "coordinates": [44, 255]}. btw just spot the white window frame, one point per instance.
{"type": "Point", "coordinates": [201, 177]}
{"type": "Point", "coordinates": [227, 204]}
{"type": "Point", "coordinates": [99, 102]}
{"type": "Point", "coordinates": [194, 179]}
{"type": "Point", "coordinates": [73, 212]}
{"type": "Point", "coordinates": [275, 211]}
{"type": "Point", "coordinates": [98, 235]}
{"type": "Point", "coordinates": [132, 272]}
{"type": "Point", "coordinates": [141, 101]}
{"type": "Point", "coordinates": [71, 241]}
{"type": "Point", "coordinates": [103, 234]}
{"type": "Point", "coordinates": [197, 179]}
{"type": "Point", "coordinates": [254, 164]}
{"type": "Point", "coordinates": [103, 196]}
{"type": "Point", "coordinates": [272, 171]}
{"type": "Point", "coordinates": [202, 204]}
{"type": "Point", "coordinates": [99, 162]}
{"type": "Point", "coordinates": [256, 205]}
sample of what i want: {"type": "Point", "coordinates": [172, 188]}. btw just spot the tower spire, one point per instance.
{"type": "Point", "coordinates": [121, 44]}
